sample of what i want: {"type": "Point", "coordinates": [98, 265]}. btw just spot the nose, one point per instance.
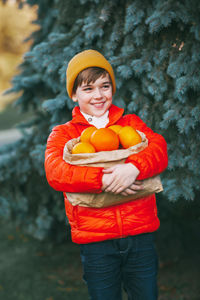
{"type": "Point", "coordinates": [97, 93]}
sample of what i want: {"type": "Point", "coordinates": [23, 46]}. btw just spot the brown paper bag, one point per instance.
{"type": "Point", "coordinates": [107, 159]}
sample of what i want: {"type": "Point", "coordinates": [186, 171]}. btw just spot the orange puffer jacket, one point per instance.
{"type": "Point", "coordinates": [98, 224]}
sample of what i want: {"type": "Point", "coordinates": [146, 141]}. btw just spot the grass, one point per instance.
{"type": "Point", "coordinates": [33, 270]}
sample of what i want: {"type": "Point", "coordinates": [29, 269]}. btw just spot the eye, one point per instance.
{"type": "Point", "coordinates": [87, 89]}
{"type": "Point", "coordinates": [106, 86]}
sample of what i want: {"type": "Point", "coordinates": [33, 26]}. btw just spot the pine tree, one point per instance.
{"type": "Point", "coordinates": [154, 48]}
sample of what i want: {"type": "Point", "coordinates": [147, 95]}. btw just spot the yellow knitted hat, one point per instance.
{"type": "Point", "coordinates": [84, 60]}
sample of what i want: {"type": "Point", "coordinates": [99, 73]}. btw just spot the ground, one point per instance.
{"type": "Point", "coordinates": [33, 270]}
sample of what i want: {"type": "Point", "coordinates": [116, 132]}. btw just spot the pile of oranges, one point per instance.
{"type": "Point", "coordinates": [106, 139]}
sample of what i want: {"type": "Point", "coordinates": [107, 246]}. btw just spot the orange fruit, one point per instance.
{"type": "Point", "coordinates": [129, 137]}
{"type": "Point", "coordinates": [115, 128]}
{"type": "Point", "coordinates": [83, 147]}
{"type": "Point", "coordinates": [104, 139]}
{"type": "Point", "coordinates": [86, 134]}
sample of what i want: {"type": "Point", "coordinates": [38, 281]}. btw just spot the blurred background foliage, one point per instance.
{"type": "Point", "coordinates": [154, 48]}
{"type": "Point", "coordinates": [15, 27]}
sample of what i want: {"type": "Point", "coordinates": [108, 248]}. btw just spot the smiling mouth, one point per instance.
{"type": "Point", "coordinates": [98, 104]}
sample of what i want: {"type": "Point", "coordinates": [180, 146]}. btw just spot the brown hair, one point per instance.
{"type": "Point", "coordinates": [89, 75]}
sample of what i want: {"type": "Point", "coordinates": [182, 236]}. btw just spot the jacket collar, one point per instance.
{"type": "Point", "coordinates": [115, 113]}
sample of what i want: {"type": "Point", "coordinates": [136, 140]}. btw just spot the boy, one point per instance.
{"type": "Point", "coordinates": [117, 242]}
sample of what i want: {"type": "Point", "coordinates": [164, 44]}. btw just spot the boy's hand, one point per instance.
{"type": "Point", "coordinates": [133, 189]}
{"type": "Point", "coordinates": [121, 179]}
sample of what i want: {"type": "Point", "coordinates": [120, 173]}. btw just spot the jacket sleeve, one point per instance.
{"type": "Point", "coordinates": [152, 160]}
{"type": "Point", "coordinates": [64, 177]}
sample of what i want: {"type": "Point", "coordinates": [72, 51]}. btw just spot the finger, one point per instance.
{"type": "Point", "coordinates": [128, 192]}
{"type": "Point", "coordinates": [108, 170]}
{"type": "Point", "coordinates": [110, 185]}
{"type": "Point", "coordinates": [138, 182]}
{"type": "Point", "coordinates": [120, 189]}
{"type": "Point", "coordinates": [136, 187]}
{"type": "Point", "coordinates": [107, 181]}
{"type": "Point", "coordinates": [124, 194]}
{"type": "Point", "coordinates": [112, 188]}
{"type": "Point", "coordinates": [115, 187]}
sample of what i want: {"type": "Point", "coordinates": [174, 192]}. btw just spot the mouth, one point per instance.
{"type": "Point", "coordinates": [98, 104]}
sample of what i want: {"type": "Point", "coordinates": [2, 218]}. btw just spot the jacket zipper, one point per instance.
{"type": "Point", "coordinates": [119, 221]}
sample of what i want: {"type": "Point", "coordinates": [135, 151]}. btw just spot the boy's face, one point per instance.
{"type": "Point", "coordinates": [94, 98]}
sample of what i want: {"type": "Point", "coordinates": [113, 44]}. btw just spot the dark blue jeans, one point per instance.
{"type": "Point", "coordinates": [130, 262]}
